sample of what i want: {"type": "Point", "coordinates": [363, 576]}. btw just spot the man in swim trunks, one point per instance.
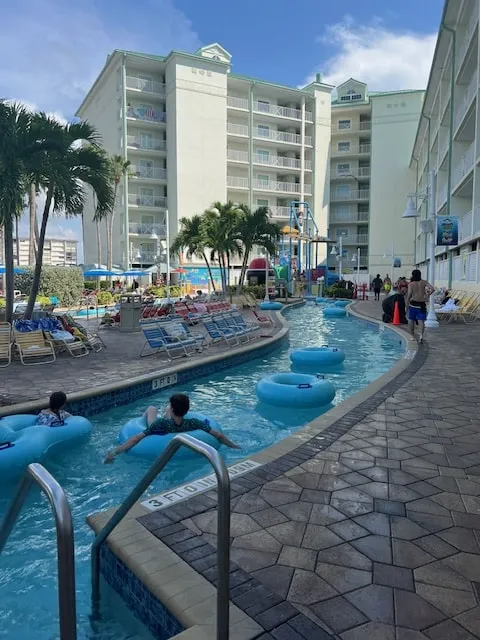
{"type": "Point", "coordinates": [418, 294]}
{"type": "Point", "coordinates": [174, 421]}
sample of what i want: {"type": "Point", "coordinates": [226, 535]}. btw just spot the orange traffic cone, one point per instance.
{"type": "Point", "coordinates": [396, 314]}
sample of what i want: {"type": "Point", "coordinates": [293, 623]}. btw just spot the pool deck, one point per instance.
{"type": "Point", "coordinates": [363, 526]}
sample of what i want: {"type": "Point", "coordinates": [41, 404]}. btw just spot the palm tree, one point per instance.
{"type": "Point", "coordinates": [255, 229]}
{"type": "Point", "coordinates": [118, 170]}
{"type": "Point", "coordinates": [32, 206]}
{"type": "Point", "coordinates": [21, 156]}
{"type": "Point", "coordinates": [68, 166]}
{"type": "Point", "coordinates": [191, 238]}
{"type": "Point", "coordinates": [220, 233]}
{"type": "Point", "coordinates": [97, 231]}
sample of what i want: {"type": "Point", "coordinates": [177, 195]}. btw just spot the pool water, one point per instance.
{"type": "Point", "coordinates": [28, 590]}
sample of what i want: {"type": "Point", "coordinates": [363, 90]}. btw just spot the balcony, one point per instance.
{"type": "Point", "coordinates": [280, 212]}
{"type": "Point", "coordinates": [360, 172]}
{"type": "Point", "coordinates": [362, 127]}
{"type": "Point", "coordinates": [152, 87]}
{"type": "Point", "coordinates": [148, 173]}
{"type": "Point", "coordinates": [146, 143]}
{"type": "Point", "coordinates": [465, 164]}
{"type": "Point", "coordinates": [354, 240]}
{"type": "Point", "coordinates": [237, 129]}
{"type": "Point", "coordinates": [280, 187]}
{"type": "Point", "coordinates": [237, 103]}
{"type": "Point", "coordinates": [268, 161]}
{"type": "Point", "coordinates": [144, 257]}
{"type": "Point", "coordinates": [464, 105]}
{"type": "Point", "coordinates": [137, 200]}
{"type": "Point", "coordinates": [465, 227]}
{"type": "Point", "coordinates": [146, 114]}
{"type": "Point", "coordinates": [465, 42]}
{"type": "Point", "coordinates": [280, 136]}
{"type": "Point", "coordinates": [350, 218]}
{"type": "Point", "coordinates": [144, 229]}
{"type": "Point", "coordinates": [271, 109]}
{"type": "Point", "coordinates": [362, 194]}
{"type": "Point", "coordinates": [236, 182]}
{"type": "Point", "coordinates": [357, 150]}
{"type": "Point", "coordinates": [441, 197]}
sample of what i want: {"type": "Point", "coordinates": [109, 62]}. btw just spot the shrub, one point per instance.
{"type": "Point", "coordinates": [104, 298]}
{"type": "Point", "coordinates": [105, 285]}
{"type": "Point", "coordinates": [43, 300]}
{"type": "Point", "coordinates": [334, 291]}
{"type": "Point", "coordinates": [2, 303]}
{"type": "Point", "coordinates": [65, 283]}
{"type": "Point", "coordinates": [88, 285]}
{"type": "Point", "coordinates": [161, 292]}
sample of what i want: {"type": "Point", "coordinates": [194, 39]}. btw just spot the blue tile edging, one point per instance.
{"type": "Point", "coordinates": [161, 623]}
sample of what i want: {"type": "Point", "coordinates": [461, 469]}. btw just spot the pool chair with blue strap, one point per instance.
{"type": "Point", "coordinates": [252, 327]}
{"type": "Point", "coordinates": [157, 341]}
{"type": "Point", "coordinates": [219, 335]}
{"type": "Point", "coordinates": [225, 324]}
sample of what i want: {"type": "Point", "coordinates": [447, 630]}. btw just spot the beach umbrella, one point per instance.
{"type": "Point", "coordinates": [96, 273]}
{"type": "Point", "coordinates": [179, 270]}
{"type": "Point", "coordinates": [15, 269]}
{"type": "Point", "coordinates": [132, 273]}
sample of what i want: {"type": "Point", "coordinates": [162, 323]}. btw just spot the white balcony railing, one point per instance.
{"type": "Point", "coordinates": [280, 136]}
{"type": "Point", "coordinates": [237, 129]}
{"type": "Point", "coordinates": [465, 41]}
{"type": "Point", "coordinates": [282, 187]}
{"type": "Point", "coordinates": [145, 86]}
{"type": "Point", "coordinates": [362, 194]}
{"type": "Point", "coordinates": [353, 218]}
{"type": "Point", "coordinates": [237, 103]}
{"type": "Point", "coordinates": [465, 165]}
{"type": "Point", "coordinates": [280, 212]}
{"type": "Point", "coordinates": [360, 172]}
{"type": "Point", "coordinates": [139, 200]}
{"type": "Point", "coordinates": [476, 220]}
{"type": "Point", "coordinates": [155, 173]}
{"type": "Point", "coordinates": [147, 143]}
{"type": "Point", "coordinates": [144, 229]}
{"type": "Point", "coordinates": [441, 197]}
{"type": "Point", "coordinates": [352, 150]}
{"type": "Point", "coordinates": [235, 155]}
{"type": "Point", "coordinates": [271, 109]}
{"type": "Point", "coordinates": [443, 147]}
{"type": "Point", "coordinates": [237, 182]}
{"type": "Point", "coordinates": [465, 227]}
{"type": "Point", "coordinates": [144, 257]}
{"type": "Point", "coordinates": [462, 108]}
{"type": "Point", "coordinates": [353, 239]}
{"type": "Point", "coordinates": [146, 113]}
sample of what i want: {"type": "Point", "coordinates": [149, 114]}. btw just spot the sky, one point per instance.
{"type": "Point", "coordinates": [52, 50]}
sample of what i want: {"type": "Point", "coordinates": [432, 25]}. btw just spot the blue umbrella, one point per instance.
{"type": "Point", "coordinates": [96, 273]}
{"type": "Point", "coordinates": [15, 269]}
{"type": "Point", "coordinates": [134, 274]}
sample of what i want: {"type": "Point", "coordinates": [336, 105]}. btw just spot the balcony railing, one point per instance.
{"type": "Point", "coordinates": [156, 173]}
{"type": "Point", "coordinates": [271, 109]}
{"type": "Point", "coordinates": [470, 28]}
{"type": "Point", "coordinates": [144, 257]}
{"type": "Point", "coordinates": [149, 144]}
{"type": "Point", "coordinates": [443, 148]}
{"type": "Point", "coordinates": [282, 187]}
{"type": "Point", "coordinates": [361, 172]}
{"type": "Point", "coordinates": [148, 114]}
{"type": "Point", "coordinates": [280, 136]}
{"type": "Point", "coordinates": [465, 226]}
{"type": "Point", "coordinates": [352, 150]}
{"type": "Point", "coordinates": [353, 239]}
{"type": "Point", "coordinates": [362, 194]}
{"type": "Point", "coordinates": [145, 86]}
{"type": "Point", "coordinates": [280, 212]}
{"type": "Point", "coordinates": [147, 201]}
{"type": "Point", "coordinates": [271, 160]}
{"type": "Point", "coordinates": [352, 218]}
{"type": "Point", "coordinates": [442, 196]}
{"type": "Point", "coordinates": [362, 126]}
{"type": "Point", "coordinates": [237, 182]}
{"type": "Point", "coordinates": [465, 103]}
{"type": "Point", "coordinates": [465, 165]}
{"type": "Point", "coordinates": [237, 129]}
{"type": "Point", "coordinates": [144, 229]}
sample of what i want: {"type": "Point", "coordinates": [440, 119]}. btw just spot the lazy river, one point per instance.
{"type": "Point", "coordinates": [28, 589]}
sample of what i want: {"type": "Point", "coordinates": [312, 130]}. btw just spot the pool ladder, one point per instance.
{"type": "Point", "coordinates": [65, 540]}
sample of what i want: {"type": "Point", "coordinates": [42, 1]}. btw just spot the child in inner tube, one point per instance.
{"type": "Point", "coordinates": [174, 421]}
{"type": "Point", "coordinates": [55, 415]}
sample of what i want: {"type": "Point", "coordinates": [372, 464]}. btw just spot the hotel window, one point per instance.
{"type": "Point", "coordinates": [263, 105]}
{"type": "Point", "coordinates": [263, 131]}
{"type": "Point", "coordinates": [263, 156]}
{"type": "Point", "coordinates": [262, 203]}
{"type": "Point", "coordinates": [344, 124]}
{"type": "Point", "coordinates": [263, 180]}
{"type": "Point", "coordinates": [343, 168]}
{"type": "Point", "coordinates": [344, 146]}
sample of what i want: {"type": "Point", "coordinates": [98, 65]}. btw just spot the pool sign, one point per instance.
{"type": "Point", "coordinates": [168, 498]}
{"type": "Point", "coordinates": [166, 381]}
{"type": "Point", "coordinates": [447, 231]}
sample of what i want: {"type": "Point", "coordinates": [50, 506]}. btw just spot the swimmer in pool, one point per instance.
{"type": "Point", "coordinates": [174, 421]}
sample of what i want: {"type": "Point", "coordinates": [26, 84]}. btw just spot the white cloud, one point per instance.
{"type": "Point", "coordinates": [52, 50]}
{"type": "Point", "coordinates": [386, 60]}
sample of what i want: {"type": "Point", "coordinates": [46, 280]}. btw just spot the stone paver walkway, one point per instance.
{"type": "Point", "coordinates": [370, 531]}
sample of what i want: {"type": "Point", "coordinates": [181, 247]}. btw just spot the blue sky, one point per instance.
{"type": "Point", "coordinates": [52, 50]}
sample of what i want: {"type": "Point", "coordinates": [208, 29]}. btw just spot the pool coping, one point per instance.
{"type": "Point", "coordinates": [177, 573]}
{"type": "Point", "coordinates": [172, 369]}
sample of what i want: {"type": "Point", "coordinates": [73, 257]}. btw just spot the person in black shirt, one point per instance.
{"type": "Point", "coordinates": [377, 285]}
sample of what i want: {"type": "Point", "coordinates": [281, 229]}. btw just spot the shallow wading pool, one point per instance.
{"type": "Point", "coordinates": [28, 589]}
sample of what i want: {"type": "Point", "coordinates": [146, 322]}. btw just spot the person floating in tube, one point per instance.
{"type": "Point", "coordinates": [174, 421]}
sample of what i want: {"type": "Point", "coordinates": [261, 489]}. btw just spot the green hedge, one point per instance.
{"type": "Point", "coordinates": [161, 292]}
{"type": "Point", "coordinates": [66, 283]}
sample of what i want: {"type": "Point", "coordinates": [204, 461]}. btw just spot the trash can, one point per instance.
{"type": "Point", "coordinates": [130, 312]}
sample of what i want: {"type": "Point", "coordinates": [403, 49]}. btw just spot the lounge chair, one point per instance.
{"type": "Point", "coordinates": [262, 319]}
{"type": "Point", "coordinates": [158, 341]}
{"type": "Point", "coordinates": [218, 335]}
{"type": "Point", "coordinates": [468, 307]}
{"type": "Point", "coordinates": [74, 346]}
{"type": "Point", "coordinates": [33, 348]}
{"type": "Point", "coordinates": [243, 324]}
{"type": "Point", "coordinates": [226, 324]}
{"type": "Point", "coordinates": [5, 344]}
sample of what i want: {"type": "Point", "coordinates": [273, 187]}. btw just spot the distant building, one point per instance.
{"type": "Point", "coordinates": [57, 252]}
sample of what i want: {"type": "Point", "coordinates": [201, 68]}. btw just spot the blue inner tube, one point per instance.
{"type": "Point", "coordinates": [295, 390]}
{"type": "Point", "coordinates": [22, 441]}
{"type": "Point", "coordinates": [334, 312]}
{"type": "Point", "coordinates": [342, 303]}
{"type": "Point", "coordinates": [271, 306]}
{"type": "Point", "coordinates": [152, 446]}
{"type": "Point", "coordinates": [317, 355]}
{"type": "Point", "coordinates": [320, 299]}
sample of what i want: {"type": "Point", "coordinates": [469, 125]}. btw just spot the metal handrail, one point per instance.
{"type": "Point", "coordinates": [223, 520]}
{"type": "Point", "coordinates": [65, 544]}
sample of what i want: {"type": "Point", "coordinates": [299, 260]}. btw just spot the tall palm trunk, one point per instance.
{"type": "Point", "coordinates": [32, 205]}
{"type": "Point", "coordinates": [243, 270]}
{"type": "Point", "coordinates": [38, 264]}
{"type": "Point", "coordinates": [210, 274]}
{"type": "Point", "coordinates": [17, 242]}
{"type": "Point", "coordinates": [8, 231]}
{"type": "Point", "coordinates": [99, 244]}
{"type": "Point", "coordinates": [110, 218]}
